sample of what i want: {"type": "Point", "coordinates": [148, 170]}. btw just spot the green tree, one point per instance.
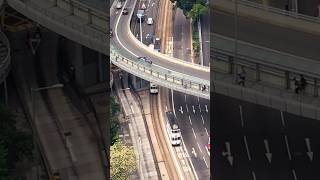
{"type": "Point", "coordinates": [122, 161]}
{"type": "Point", "coordinates": [196, 11]}
{"type": "Point", "coordinates": [15, 144]}
{"type": "Point", "coordinates": [186, 5]}
{"type": "Point", "coordinates": [114, 122]}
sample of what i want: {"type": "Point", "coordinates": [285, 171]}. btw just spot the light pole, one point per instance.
{"type": "Point", "coordinates": [140, 28]}
{"type": "Point", "coordinates": [33, 90]}
{"type": "Point", "coordinates": [235, 39]}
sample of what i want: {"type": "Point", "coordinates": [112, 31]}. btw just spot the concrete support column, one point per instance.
{"type": "Point", "coordinates": [2, 16]}
{"type": "Point", "coordinates": [71, 8]}
{"type": "Point", "coordinates": [77, 62]}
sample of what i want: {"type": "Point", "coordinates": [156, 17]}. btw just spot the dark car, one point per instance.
{"type": "Point", "coordinates": [111, 33]}
{"type": "Point", "coordinates": [145, 59]}
{"type": "Point", "coordinates": [125, 11]}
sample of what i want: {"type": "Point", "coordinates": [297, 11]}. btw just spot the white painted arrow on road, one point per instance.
{"type": "Point", "coordinates": [268, 154]}
{"type": "Point", "coordinates": [206, 107]}
{"type": "Point", "coordinates": [181, 110]}
{"type": "Point", "coordinates": [309, 152]}
{"type": "Point", "coordinates": [229, 156]}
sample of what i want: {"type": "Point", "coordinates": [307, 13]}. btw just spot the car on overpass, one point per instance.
{"type": "Point", "coordinates": [125, 11]}
{"type": "Point", "coordinates": [119, 5]}
{"type": "Point", "coordinates": [145, 59]}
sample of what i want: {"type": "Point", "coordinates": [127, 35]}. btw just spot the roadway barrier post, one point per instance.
{"type": "Point", "coordinates": [257, 72]}
{"type": "Point", "coordinates": [287, 74]}
{"type": "Point", "coordinates": [316, 87]}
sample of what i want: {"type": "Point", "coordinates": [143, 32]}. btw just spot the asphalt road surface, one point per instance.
{"type": "Point", "coordinates": [243, 135]}
{"type": "Point", "coordinates": [267, 35]}
{"type": "Point", "coordinates": [194, 120]}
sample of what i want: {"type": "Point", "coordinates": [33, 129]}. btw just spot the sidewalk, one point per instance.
{"type": "Point", "coordinates": [266, 95]}
{"type": "Point", "coordinates": [138, 132]}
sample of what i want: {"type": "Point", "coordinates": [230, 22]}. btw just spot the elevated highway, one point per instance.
{"type": "Point", "coordinates": [88, 25]}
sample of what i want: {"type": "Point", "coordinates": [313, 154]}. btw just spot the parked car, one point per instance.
{"type": "Point", "coordinates": [125, 11]}
{"type": "Point", "coordinates": [111, 33]}
{"type": "Point", "coordinates": [150, 21]}
{"type": "Point", "coordinates": [145, 59]}
{"type": "Point", "coordinates": [119, 5]}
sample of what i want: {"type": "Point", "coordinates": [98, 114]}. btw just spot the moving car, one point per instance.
{"type": "Point", "coordinates": [125, 11]}
{"type": "Point", "coordinates": [145, 59]}
{"type": "Point", "coordinates": [119, 5]}
{"type": "Point", "coordinates": [150, 21]}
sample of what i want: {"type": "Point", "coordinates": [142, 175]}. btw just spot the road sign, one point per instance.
{"type": "Point", "coordinates": [34, 44]}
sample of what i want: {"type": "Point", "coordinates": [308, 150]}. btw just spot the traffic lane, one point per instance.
{"type": "Point", "coordinates": [130, 45]}
{"type": "Point", "coordinates": [182, 36]}
{"type": "Point", "coordinates": [225, 114]}
{"type": "Point", "coordinates": [275, 165]}
{"type": "Point", "coordinates": [223, 168]}
{"type": "Point", "coordinates": [205, 28]}
{"type": "Point", "coordinates": [267, 35]}
{"type": "Point", "coordinates": [269, 120]}
{"type": "Point", "coordinates": [193, 139]}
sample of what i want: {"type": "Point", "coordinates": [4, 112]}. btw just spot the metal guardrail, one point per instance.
{"type": "Point", "coordinates": [5, 61]}
{"type": "Point", "coordinates": [170, 79]}
{"type": "Point", "coordinates": [279, 11]}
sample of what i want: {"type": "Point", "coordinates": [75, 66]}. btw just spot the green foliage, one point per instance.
{"type": "Point", "coordinates": [14, 144]}
{"type": "Point", "coordinates": [122, 161]}
{"type": "Point", "coordinates": [114, 122]}
{"type": "Point", "coordinates": [196, 11]}
{"type": "Point", "coordinates": [186, 5]}
{"type": "Point", "coordinates": [195, 40]}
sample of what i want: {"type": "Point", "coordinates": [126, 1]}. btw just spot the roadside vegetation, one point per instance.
{"type": "Point", "coordinates": [122, 161]}
{"type": "Point", "coordinates": [122, 157]}
{"type": "Point", "coordinates": [15, 145]}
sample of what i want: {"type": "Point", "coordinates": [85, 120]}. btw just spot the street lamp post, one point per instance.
{"type": "Point", "coordinates": [235, 37]}
{"type": "Point", "coordinates": [33, 90]}
{"type": "Point", "coordinates": [140, 29]}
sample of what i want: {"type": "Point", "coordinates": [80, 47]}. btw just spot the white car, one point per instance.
{"type": "Point", "coordinates": [150, 21]}
{"type": "Point", "coordinates": [119, 5]}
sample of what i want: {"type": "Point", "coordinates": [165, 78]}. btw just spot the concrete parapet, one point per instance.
{"type": "Point", "coordinates": [277, 18]}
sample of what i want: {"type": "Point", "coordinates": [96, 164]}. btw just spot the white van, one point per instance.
{"type": "Point", "coordinates": [119, 5]}
{"type": "Point", "coordinates": [150, 21]}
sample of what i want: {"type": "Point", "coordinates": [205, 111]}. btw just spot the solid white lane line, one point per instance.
{"type": "Point", "coordinates": [207, 150]}
{"type": "Point", "coordinates": [202, 119]}
{"type": "Point", "coordinates": [194, 152]}
{"type": "Point", "coordinates": [194, 171]}
{"type": "Point", "coordinates": [287, 145]}
{"type": "Point", "coordinates": [205, 161]}
{"type": "Point", "coordinates": [194, 111]}
{"type": "Point", "coordinates": [294, 174]}
{"type": "Point", "coordinates": [206, 107]}
{"type": "Point", "coordinates": [190, 120]}
{"type": "Point", "coordinates": [198, 99]}
{"type": "Point", "coordinates": [206, 131]}
{"type": "Point", "coordinates": [194, 134]}
{"type": "Point", "coordinates": [241, 116]}
{"type": "Point", "coordinates": [199, 147]}
{"type": "Point", "coordinates": [247, 147]}
{"type": "Point", "coordinates": [282, 118]}
{"type": "Point", "coordinates": [174, 111]}
{"type": "Point", "coordinates": [200, 108]}
{"type": "Point", "coordinates": [254, 175]}
{"type": "Point", "coordinates": [187, 108]}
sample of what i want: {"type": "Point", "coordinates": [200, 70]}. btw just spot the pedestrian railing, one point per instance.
{"type": "Point", "coordinates": [278, 11]}
{"type": "Point", "coordinates": [174, 80]}
{"type": "Point", "coordinates": [6, 59]}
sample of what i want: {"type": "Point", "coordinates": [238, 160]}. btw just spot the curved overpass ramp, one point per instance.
{"type": "Point", "coordinates": [87, 25]}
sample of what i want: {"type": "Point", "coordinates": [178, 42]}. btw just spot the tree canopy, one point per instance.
{"type": "Point", "coordinates": [197, 10]}
{"type": "Point", "coordinates": [114, 122]}
{"type": "Point", "coordinates": [14, 144]}
{"type": "Point", "coordinates": [122, 161]}
{"type": "Point", "coordinates": [187, 5]}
